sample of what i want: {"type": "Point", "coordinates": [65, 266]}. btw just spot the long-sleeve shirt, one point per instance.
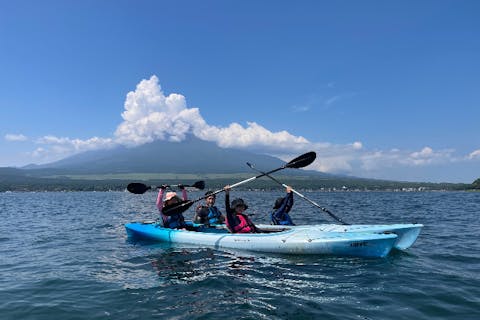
{"type": "Point", "coordinates": [280, 215]}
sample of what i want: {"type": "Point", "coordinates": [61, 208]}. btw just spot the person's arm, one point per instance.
{"type": "Point", "coordinates": [197, 218]}
{"type": "Point", "coordinates": [221, 217]}
{"type": "Point", "coordinates": [198, 209]}
{"type": "Point", "coordinates": [289, 202]}
{"type": "Point", "coordinates": [230, 216]}
{"type": "Point", "coordinates": [279, 212]}
{"type": "Point", "coordinates": [228, 210]}
{"type": "Point", "coordinates": [202, 213]}
{"type": "Point", "coordinates": [160, 199]}
{"type": "Point", "coordinates": [184, 192]}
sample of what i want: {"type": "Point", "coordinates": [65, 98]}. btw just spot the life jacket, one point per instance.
{"type": "Point", "coordinates": [285, 219]}
{"type": "Point", "coordinates": [175, 221]}
{"type": "Point", "coordinates": [210, 215]}
{"type": "Point", "coordinates": [243, 225]}
{"type": "Point", "coordinates": [213, 215]}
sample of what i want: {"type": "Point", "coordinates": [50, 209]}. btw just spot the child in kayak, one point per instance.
{"type": "Point", "coordinates": [237, 221]}
{"type": "Point", "coordinates": [209, 213]}
{"type": "Point", "coordinates": [281, 209]}
{"type": "Point", "coordinates": [175, 221]}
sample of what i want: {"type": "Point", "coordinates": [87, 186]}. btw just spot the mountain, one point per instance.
{"type": "Point", "coordinates": [10, 172]}
{"type": "Point", "coordinates": [189, 156]}
{"type": "Point", "coordinates": [83, 172]}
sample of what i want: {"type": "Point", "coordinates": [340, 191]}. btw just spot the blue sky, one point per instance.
{"type": "Point", "coordinates": [379, 89]}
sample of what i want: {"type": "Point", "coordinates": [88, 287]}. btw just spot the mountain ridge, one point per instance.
{"type": "Point", "coordinates": [189, 156]}
{"type": "Point", "coordinates": [187, 161]}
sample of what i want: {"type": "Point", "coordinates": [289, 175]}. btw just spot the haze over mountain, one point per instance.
{"type": "Point", "coordinates": [189, 156]}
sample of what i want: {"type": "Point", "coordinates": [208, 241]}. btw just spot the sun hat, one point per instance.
{"type": "Point", "coordinates": [239, 202]}
{"type": "Point", "coordinates": [170, 195]}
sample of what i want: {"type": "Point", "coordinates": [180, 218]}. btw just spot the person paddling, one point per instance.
{"type": "Point", "coordinates": [175, 221]}
{"type": "Point", "coordinates": [281, 208]}
{"type": "Point", "coordinates": [237, 221]}
{"type": "Point", "coordinates": [209, 213]}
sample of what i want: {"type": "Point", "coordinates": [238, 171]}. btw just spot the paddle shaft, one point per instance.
{"type": "Point", "coordinates": [187, 204]}
{"type": "Point", "coordinates": [291, 164]}
{"type": "Point", "coordinates": [242, 182]}
{"type": "Point", "coordinates": [298, 162]}
{"type": "Point", "coordinates": [300, 195]}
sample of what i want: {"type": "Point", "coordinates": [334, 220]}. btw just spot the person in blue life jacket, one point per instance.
{"type": "Point", "coordinates": [208, 213]}
{"type": "Point", "coordinates": [176, 221]}
{"type": "Point", "coordinates": [281, 209]}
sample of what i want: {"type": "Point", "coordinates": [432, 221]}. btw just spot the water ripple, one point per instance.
{"type": "Point", "coordinates": [69, 257]}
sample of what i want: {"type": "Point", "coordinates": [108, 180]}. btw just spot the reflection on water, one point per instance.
{"type": "Point", "coordinates": [197, 264]}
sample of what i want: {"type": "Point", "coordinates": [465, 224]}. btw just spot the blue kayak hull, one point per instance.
{"type": "Point", "coordinates": [406, 233]}
{"type": "Point", "coordinates": [295, 241]}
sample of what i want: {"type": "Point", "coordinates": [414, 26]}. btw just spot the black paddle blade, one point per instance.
{"type": "Point", "coordinates": [175, 208]}
{"type": "Point", "coordinates": [302, 161]}
{"type": "Point", "coordinates": [137, 187]}
{"type": "Point", "coordinates": [199, 185]}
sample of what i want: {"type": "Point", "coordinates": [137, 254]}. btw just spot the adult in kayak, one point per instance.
{"type": "Point", "coordinates": [175, 221]}
{"type": "Point", "coordinates": [281, 208]}
{"type": "Point", "coordinates": [237, 221]}
{"type": "Point", "coordinates": [208, 213]}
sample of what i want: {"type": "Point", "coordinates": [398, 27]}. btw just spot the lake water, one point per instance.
{"type": "Point", "coordinates": [66, 256]}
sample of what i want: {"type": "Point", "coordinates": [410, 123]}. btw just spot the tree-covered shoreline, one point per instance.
{"type": "Point", "coordinates": [26, 183]}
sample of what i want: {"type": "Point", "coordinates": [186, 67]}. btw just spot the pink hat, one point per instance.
{"type": "Point", "coordinates": [170, 195]}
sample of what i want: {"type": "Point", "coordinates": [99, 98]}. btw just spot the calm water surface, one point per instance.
{"type": "Point", "coordinates": [66, 256]}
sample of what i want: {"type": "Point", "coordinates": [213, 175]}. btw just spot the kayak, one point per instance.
{"type": "Point", "coordinates": [407, 234]}
{"type": "Point", "coordinates": [288, 240]}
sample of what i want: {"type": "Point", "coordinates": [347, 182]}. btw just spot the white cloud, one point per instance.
{"type": "Point", "coordinates": [474, 155]}
{"type": "Point", "coordinates": [77, 145]}
{"type": "Point", "coordinates": [371, 161]}
{"type": "Point", "coordinates": [331, 100]}
{"type": "Point", "coordinates": [54, 148]}
{"type": "Point", "coordinates": [428, 156]}
{"type": "Point", "coordinates": [151, 115]}
{"type": "Point", "coordinates": [357, 145]}
{"type": "Point", "coordinates": [15, 137]}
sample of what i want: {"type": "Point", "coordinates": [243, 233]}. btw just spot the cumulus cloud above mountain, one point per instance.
{"type": "Point", "coordinates": [149, 114]}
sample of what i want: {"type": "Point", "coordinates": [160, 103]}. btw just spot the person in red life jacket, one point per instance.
{"type": "Point", "coordinates": [209, 214]}
{"type": "Point", "coordinates": [237, 221]}
{"type": "Point", "coordinates": [176, 221]}
{"type": "Point", "coordinates": [281, 208]}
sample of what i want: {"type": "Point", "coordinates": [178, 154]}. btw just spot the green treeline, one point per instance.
{"type": "Point", "coordinates": [26, 183]}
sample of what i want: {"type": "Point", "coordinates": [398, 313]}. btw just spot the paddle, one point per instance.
{"type": "Point", "coordinates": [140, 188]}
{"type": "Point", "coordinates": [300, 195]}
{"type": "Point", "coordinates": [299, 162]}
